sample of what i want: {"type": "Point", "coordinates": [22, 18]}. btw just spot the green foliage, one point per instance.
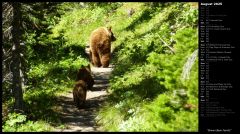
{"type": "Point", "coordinates": [46, 81]}
{"type": "Point", "coordinates": [147, 90]}
{"type": "Point", "coordinates": [111, 117]}
{"type": "Point", "coordinates": [51, 66]}
{"type": "Point", "coordinates": [15, 119]}
{"type": "Point", "coordinates": [77, 24]}
{"type": "Point", "coordinates": [150, 53]}
{"type": "Point", "coordinates": [138, 82]}
{"type": "Point", "coordinates": [18, 123]}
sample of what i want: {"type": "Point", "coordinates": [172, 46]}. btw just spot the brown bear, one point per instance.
{"type": "Point", "coordinates": [100, 46]}
{"type": "Point", "coordinates": [80, 93]}
{"type": "Point", "coordinates": [84, 74]}
{"type": "Point", "coordinates": [84, 82]}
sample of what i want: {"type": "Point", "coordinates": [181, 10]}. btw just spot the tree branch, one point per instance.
{"type": "Point", "coordinates": [172, 50]}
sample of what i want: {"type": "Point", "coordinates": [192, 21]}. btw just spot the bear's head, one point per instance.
{"type": "Point", "coordinates": [84, 73]}
{"type": "Point", "coordinates": [112, 37]}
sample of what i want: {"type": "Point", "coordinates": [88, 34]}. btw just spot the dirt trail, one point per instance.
{"type": "Point", "coordinates": [82, 120]}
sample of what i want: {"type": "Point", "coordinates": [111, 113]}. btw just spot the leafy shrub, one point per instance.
{"type": "Point", "coordinates": [18, 123]}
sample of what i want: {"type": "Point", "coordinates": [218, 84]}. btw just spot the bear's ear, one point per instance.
{"type": "Point", "coordinates": [109, 28]}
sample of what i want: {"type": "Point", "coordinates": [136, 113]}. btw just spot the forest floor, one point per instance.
{"type": "Point", "coordinates": [82, 120]}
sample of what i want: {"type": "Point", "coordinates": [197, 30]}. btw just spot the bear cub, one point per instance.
{"type": "Point", "coordinates": [84, 82]}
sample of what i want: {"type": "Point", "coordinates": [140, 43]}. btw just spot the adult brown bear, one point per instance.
{"type": "Point", "coordinates": [100, 46]}
{"type": "Point", "coordinates": [84, 82]}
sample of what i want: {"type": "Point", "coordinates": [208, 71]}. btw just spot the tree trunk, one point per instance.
{"type": "Point", "coordinates": [16, 63]}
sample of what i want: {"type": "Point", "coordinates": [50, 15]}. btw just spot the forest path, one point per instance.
{"type": "Point", "coordinates": [82, 120]}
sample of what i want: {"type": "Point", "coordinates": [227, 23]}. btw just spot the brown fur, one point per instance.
{"type": "Point", "coordinates": [80, 93]}
{"type": "Point", "coordinates": [84, 82]}
{"type": "Point", "coordinates": [100, 46]}
{"type": "Point", "coordinates": [84, 74]}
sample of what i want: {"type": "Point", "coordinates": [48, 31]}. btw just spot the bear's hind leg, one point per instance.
{"type": "Point", "coordinates": [84, 97]}
{"type": "Point", "coordinates": [105, 60]}
{"type": "Point", "coordinates": [96, 60]}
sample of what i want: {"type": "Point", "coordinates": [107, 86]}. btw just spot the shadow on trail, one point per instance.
{"type": "Point", "coordinates": [83, 120]}
{"type": "Point", "coordinates": [100, 85]}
